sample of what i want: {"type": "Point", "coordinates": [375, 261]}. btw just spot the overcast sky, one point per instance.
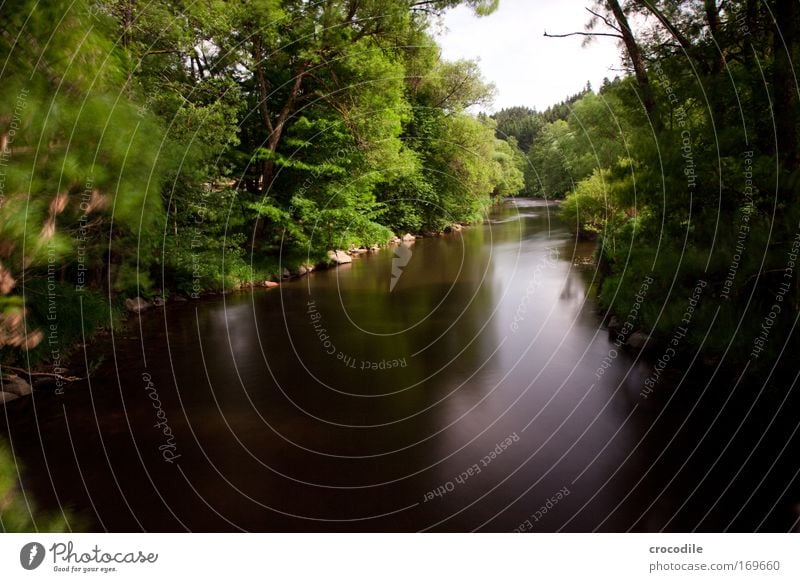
{"type": "Point", "coordinates": [527, 68]}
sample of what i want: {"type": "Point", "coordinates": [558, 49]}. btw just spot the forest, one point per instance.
{"type": "Point", "coordinates": [176, 148]}
{"type": "Point", "coordinates": [166, 150]}
{"type": "Point", "coordinates": [685, 168]}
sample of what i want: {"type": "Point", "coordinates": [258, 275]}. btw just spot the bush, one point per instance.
{"type": "Point", "coordinates": [18, 514]}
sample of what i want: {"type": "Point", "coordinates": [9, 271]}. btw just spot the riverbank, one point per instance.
{"type": "Point", "coordinates": [495, 334]}
{"type": "Point", "coordinates": [51, 368]}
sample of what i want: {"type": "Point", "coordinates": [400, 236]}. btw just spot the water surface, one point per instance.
{"type": "Point", "coordinates": [466, 398]}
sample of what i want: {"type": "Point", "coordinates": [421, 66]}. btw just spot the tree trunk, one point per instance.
{"type": "Point", "coordinates": [785, 88]}
{"type": "Point", "coordinates": [276, 129]}
{"type": "Point", "coordinates": [637, 60]}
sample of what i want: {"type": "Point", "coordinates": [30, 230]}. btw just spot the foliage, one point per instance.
{"type": "Point", "coordinates": [78, 155]}
{"type": "Point", "coordinates": [189, 146]}
{"type": "Point", "coordinates": [521, 123]}
{"type": "Point", "coordinates": [678, 170]}
{"type": "Point", "coordinates": [18, 513]}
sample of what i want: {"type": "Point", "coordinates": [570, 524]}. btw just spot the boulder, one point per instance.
{"type": "Point", "coordinates": [637, 340]}
{"type": "Point", "coordinates": [270, 284]}
{"type": "Point", "coordinates": [286, 274]}
{"type": "Point", "coordinates": [339, 257]}
{"type": "Point", "coordinates": [304, 269]}
{"type": "Point", "coordinates": [7, 397]}
{"type": "Point", "coordinates": [136, 305]}
{"type": "Point", "coordinates": [158, 301]}
{"type": "Point", "coordinates": [375, 248]}
{"type": "Point", "coordinates": [15, 385]}
{"type": "Point", "coordinates": [408, 237]}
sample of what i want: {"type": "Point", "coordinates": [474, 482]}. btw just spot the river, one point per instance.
{"type": "Point", "coordinates": [467, 397]}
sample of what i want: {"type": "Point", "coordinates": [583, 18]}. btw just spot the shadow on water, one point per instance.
{"type": "Point", "coordinates": [466, 397]}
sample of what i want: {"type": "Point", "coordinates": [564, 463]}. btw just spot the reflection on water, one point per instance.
{"type": "Point", "coordinates": [463, 398]}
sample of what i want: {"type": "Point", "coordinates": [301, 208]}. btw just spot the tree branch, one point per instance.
{"type": "Point", "coordinates": [607, 22]}
{"type": "Point", "coordinates": [288, 105]}
{"type": "Point", "coordinates": [42, 374]}
{"type": "Point", "coordinates": [582, 34]}
{"type": "Point", "coordinates": [150, 52]}
{"type": "Point", "coordinates": [263, 89]}
{"type": "Point", "coordinates": [686, 45]}
{"type": "Point", "coordinates": [351, 11]}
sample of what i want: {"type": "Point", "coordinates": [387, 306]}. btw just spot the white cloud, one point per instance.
{"type": "Point", "coordinates": [527, 68]}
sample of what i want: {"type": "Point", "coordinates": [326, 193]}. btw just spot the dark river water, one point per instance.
{"type": "Point", "coordinates": [465, 398]}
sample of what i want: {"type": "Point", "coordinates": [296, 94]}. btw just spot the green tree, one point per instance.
{"type": "Point", "coordinates": [521, 123]}
{"type": "Point", "coordinates": [549, 173]}
{"type": "Point", "coordinates": [78, 157]}
{"type": "Point", "coordinates": [701, 183]}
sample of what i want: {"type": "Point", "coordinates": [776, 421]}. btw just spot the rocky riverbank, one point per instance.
{"type": "Point", "coordinates": [14, 385]}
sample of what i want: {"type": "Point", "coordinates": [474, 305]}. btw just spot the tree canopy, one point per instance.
{"type": "Point", "coordinates": [687, 167]}
{"type": "Point", "coordinates": [190, 146]}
